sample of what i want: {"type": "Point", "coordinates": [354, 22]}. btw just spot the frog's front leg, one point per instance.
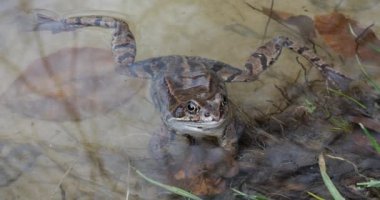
{"type": "Point", "coordinates": [159, 146]}
{"type": "Point", "coordinates": [267, 54]}
{"type": "Point", "coordinates": [123, 42]}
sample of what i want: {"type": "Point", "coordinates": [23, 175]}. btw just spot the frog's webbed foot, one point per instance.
{"type": "Point", "coordinates": [50, 21]}
{"type": "Point", "coordinates": [334, 78]}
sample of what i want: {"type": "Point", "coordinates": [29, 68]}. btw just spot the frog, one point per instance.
{"type": "Point", "coordinates": [190, 92]}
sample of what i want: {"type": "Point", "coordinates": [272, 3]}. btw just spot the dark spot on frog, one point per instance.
{"type": "Point", "coordinates": [179, 112]}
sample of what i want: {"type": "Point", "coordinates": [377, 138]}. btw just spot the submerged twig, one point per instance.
{"type": "Point", "coordinates": [304, 71]}
{"type": "Point", "coordinates": [268, 21]}
{"type": "Point", "coordinates": [350, 162]}
{"type": "Point", "coordinates": [284, 94]}
{"type": "Point", "coordinates": [63, 178]}
{"type": "Point", "coordinates": [128, 177]}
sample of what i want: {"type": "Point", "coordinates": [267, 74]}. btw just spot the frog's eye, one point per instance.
{"type": "Point", "coordinates": [192, 108]}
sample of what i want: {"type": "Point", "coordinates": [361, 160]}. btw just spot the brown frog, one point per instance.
{"type": "Point", "coordinates": [190, 91]}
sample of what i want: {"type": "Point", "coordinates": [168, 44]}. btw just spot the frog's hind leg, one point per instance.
{"type": "Point", "coordinates": [334, 77]}
{"type": "Point", "coordinates": [123, 42]}
{"type": "Point", "coordinates": [267, 54]}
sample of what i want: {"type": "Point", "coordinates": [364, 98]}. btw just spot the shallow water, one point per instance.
{"type": "Point", "coordinates": [46, 156]}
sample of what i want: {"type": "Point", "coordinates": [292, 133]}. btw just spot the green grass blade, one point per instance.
{"type": "Point", "coordinates": [310, 106]}
{"type": "Point", "coordinates": [371, 139]}
{"type": "Point", "coordinates": [247, 196]}
{"type": "Point", "coordinates": [172, 189]}
{"type": "Point", "coordinates": [374, 47]}
{"type": "Point", "coordinates": [327, 181]}
{"type": "Point", "coordinates": [348, 97]}
{"type": "Point", "coordinates": [371, 183]}
{"type": "Point", "coordinates": [368, 78]}
{"type": "Point", "coordinates": [315, 196]}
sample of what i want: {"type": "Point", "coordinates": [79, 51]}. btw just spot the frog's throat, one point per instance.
{"type": "Point", "coordinates": [201, 129]}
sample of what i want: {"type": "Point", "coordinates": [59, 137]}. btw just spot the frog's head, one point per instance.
{"type": "Point", "coordinates": [195, 104]}
{"type": "Point", "coordinates": [199, 115]}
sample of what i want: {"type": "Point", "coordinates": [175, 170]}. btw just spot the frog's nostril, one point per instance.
{"type": "Point", "coordinates": [207, 114]}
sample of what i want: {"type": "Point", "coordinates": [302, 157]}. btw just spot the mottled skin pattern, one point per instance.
{"type": "Point", "coordinates": [190, 91]}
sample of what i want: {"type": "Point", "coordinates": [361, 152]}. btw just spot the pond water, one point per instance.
{"type": "Point", "coordinates": [72, 129]}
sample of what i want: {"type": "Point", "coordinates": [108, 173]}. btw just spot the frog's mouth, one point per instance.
{"type": "Point", "coordinates": [212, 128]}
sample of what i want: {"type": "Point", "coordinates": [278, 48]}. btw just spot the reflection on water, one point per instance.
{"type": "Point", "coordinates": [70, 128]}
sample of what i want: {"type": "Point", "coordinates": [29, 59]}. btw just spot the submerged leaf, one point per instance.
{"type": "Point", "coordinates": [347, 37]}
{"type": "Point", "coordinates": [70, 84]}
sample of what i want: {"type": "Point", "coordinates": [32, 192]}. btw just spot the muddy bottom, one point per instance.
{"type": "Point", "coordinates": [283, 164]}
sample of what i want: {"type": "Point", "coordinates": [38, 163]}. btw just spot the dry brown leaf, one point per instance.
{"type": "Point", "coordinates": [335, 30]}
{"type": "Point", "coordinates": [367, 122]}
{"type": "Point", "coordinates": [205, 186]}
{"type": "Point", "coordinates": [70, 84]}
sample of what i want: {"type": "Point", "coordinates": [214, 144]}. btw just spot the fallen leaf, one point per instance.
{"type": "Point", "coordinates": [70, 84]}
{"type": "Point", "coordinates": [367, 122]}
{"type": "Point", "coordinates": [347, 37]}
